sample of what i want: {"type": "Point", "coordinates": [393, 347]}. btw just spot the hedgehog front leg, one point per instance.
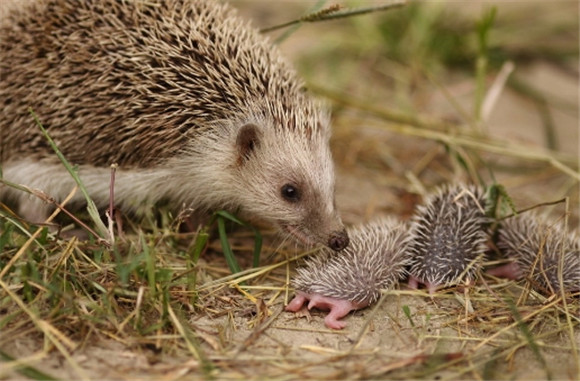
{"type": "Point", "coordinates": [338, 308]}
{"type": "Point", "coordinates": [414, 283]}
{"type": "Point", "coordinates": [511, 271]}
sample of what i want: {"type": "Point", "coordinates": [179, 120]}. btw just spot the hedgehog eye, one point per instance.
{"type": "Point", "coordinates": [290, 193]}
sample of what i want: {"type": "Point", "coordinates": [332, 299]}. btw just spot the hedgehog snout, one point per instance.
{"type": "Point", "coordinates": [338, 240]}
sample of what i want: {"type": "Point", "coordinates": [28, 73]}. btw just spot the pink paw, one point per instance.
{"type": "Point", "coordinates": [414, 283]}
{"type": "Point", "coordinates": [338, 307]}
{"type": "Point", "coordinates": [511, 271]}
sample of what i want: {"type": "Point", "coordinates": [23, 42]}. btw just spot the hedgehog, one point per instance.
{"type": "Point", "coordinates": [448, 237]}
{"type": "Point", "coordinates": [537, 245]}
{"type": "Point", "coordinates": [375, 260]}
{"type": "Point", "coordinates": [189, 100]}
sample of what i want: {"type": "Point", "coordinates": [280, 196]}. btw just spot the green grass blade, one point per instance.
{"type": "Point", "coordinates": [228, 253]}
{"type": "Point", "coordinates": [257, 248]}
{"type": "Point", "coordinates": [26, 370]}
{"type": "Point", "coordinates": [150, 264]}
{"type": "Point", "coordinates": [191, 341]}
{"type": "Point", "coordinates": [200, 243]}
{"type": "Point", "coordinates": [91, 207]}
{"type": "Point", "coordinates": [230, 217]}
{"type": "Point", "coordinates": [294, 24]}
{"type": "Point", "coordinates": [407, 312]}
{"type": "Point", "coordinates": [529, 337]}
{"type": "Point", "coordinates": [257, 235]}
{"type": "Point", "coordinates": [332, 12]}
{"type": "Point", "coordinates": [484, 27]}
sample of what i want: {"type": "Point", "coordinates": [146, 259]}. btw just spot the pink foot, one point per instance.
{"type": "Point", "coordinates": [511, 271]}
{"type": "Point", "coordinates": [414, 283]}
{"type": "Point", "coordinates": [338, 307]}
{"type": "Point", "coordinates": [296, 304]}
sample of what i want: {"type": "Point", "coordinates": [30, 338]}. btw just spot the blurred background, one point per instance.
{"type": "Point", "coordinates": [438, 91]}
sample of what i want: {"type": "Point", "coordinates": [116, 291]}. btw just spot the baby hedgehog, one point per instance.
{"type": "Point", "coordinates": [192, 103]}
{"type": "Point", "coordinates": [537, 246]}
{"type": "Point", "coordinates": [448, 237]}
{"type": "Point", "coordinates": [375, 259]}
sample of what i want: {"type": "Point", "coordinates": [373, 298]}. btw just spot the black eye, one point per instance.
{"type": "Point", "coordinates": [290, 193]}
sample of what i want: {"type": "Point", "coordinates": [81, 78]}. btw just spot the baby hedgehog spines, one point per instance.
{"type": "Point", "coordinates": [194, 105]}
{"type": "Point", "coordinates": [448, 237]}
{"type": "Point", "coordinates": [537, 245]}
{"type": "Point", "coordinates": [375, 259]}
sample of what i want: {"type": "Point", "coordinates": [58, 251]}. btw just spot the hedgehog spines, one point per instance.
{"type": "Point", "coordinates": [448, 235]}
{"type": "Point", "coordinates": [543, 250]}
{"type": "Point", "coordinates": [375, 259]}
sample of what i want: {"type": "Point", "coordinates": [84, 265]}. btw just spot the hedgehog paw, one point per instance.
{"type": "Point", "coordinates": [511, 271]}
{"type": "Point", "coordinates": [338, 307]}
{"type": "Point", "coordinates": [414, 283]}
{"type": "Point", "coordinates": [296, 304]}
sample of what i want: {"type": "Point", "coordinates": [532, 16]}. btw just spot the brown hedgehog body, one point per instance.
{"type": "Point", "coordinates": [189, 100]}
{"type": "Point", "coordinates": [375, 260]}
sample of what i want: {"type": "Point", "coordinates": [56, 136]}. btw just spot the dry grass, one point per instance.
{"type": "Point", "coordinates": [418, 95]}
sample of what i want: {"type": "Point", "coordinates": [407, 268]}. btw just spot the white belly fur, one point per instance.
{"type": "Point", "coordinates": [132, 188]}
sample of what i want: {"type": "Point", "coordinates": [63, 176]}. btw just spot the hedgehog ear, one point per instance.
{"type": "Point", "coordinates": [247, 141]}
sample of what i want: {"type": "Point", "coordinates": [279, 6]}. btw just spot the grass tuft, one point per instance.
{"type": "Point", "coordinates": [91, 207]}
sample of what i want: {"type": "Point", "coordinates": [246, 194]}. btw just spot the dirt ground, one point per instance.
{"type": "Point", "coordinates": [380, 342]}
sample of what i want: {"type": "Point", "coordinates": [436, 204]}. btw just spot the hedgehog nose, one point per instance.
{"type": "Point", "coordinates": [338, 240]}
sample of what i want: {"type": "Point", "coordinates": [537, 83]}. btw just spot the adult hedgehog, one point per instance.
{"type": "Point", "coordinates": [192, 103]}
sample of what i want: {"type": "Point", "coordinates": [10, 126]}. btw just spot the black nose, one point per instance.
{"type": "Point", "coordinates": [338, 240]}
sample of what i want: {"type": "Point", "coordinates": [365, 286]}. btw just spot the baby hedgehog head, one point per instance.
{"type": "Point", "coordinates": [375, 259]}
{"type": "Point", "coordinates": [448, 237]}
{"type": "Point", "coordinates": [537, 246]}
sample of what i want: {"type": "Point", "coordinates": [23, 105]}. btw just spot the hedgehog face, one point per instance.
{"type": "Point", "coordinates": [288, 179]}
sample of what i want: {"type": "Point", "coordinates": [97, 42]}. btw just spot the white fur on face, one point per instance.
{"type": "Point", "coordinates": [283, 155]}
